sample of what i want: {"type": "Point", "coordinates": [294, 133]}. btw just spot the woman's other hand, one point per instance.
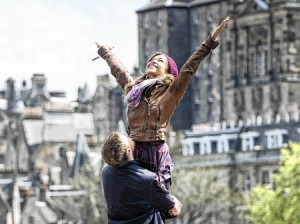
{"type": "Point", "coordinates": [219, 29]}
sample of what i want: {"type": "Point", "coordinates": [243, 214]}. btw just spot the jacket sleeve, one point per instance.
{"type": "Point", "coordinates": [179, 86]}
{"type": "Point", "coordinates": [162, 200]}
{"type": "Point", "coordinates": [117, 69]}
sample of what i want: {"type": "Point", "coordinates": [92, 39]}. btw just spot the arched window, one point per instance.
{"type": "Point", "coordinates": [261, 63]}
{"type": "Point", "coordinates": [146, 22]}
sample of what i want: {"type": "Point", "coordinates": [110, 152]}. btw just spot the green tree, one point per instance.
{"type": "Point", "coordinates": [279, 204]}
{"type": "Point", "coordinates": [204, 195]}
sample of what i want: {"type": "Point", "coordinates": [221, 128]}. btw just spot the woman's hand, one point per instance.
{"type": "Point", "coordinates": [219, 29]}
{"type": "Point", "coordinates": [102, 50]}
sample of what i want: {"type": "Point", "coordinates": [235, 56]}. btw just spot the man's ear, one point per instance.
{"type": "Point", "coordinates": [128, 151]}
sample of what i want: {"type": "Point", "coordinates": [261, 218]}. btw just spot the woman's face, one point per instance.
{"type": "Point", "coordinates": [156, 66]}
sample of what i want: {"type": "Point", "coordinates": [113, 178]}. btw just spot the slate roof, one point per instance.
{"type": "Point", "coordinates": [58, 127]}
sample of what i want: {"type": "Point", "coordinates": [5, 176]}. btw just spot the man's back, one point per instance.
{"type": "Point", "coordinates": [132, 196]}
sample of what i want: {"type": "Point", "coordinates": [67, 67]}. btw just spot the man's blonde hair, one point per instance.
{"type": "Point", "coordinates": [114, 150]}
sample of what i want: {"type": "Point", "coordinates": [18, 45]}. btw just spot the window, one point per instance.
{"type": "Point", "coordinates": [195, 17]}
{"type": "Point", "coordinates": [265, 177]}
{"type": "Point", "coordinates": [261, 63]}
{"type": "Point", "coordinates": [285, 138]}
{"type": "Point", "coordinates": [256, 140]}
{"type": "Point", "coordinates": [247, 144]}
{"type": "Point", "coordinates": [146, 22]}
{"type": "Point", "coordinates": [259, 120]}
{"type": "Point", "coordinates": [291, 97]}
{"type": "Point", "coordinates": [214, 145]}
{"type": "Point", "coordinates": [209, 15]}
{"type": "Point", "coordinates": [248, 139]}
{"type": "Point", "coordinates": [274, 141]}
{"type": "Point", "coordinates": [242, 67]}
{"type": "Point", "coordinates": [275, 138]}
{"type": "Point", "coordinates": [160, 43]}
{"type": "Point", "coordinates": [196, 148]}
{"type": "Point", "coordinates": [159, 19]}
{"type": "Point", "coordinates": [146, 47]}
{"type": "Point", "coordinates": [232, 143]}
{"type": "Point", "coordinates": [273, 182]}
{"type": "Point", "coordinates": [247, 182]}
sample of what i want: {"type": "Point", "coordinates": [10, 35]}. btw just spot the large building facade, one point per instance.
{"type": "Point", "coordinates": [242, 104]}
{"type": "Point", "coordinates": [253, 74]}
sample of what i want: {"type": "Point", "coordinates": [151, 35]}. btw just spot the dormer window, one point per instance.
{"type": "Point", "coordinates": [248, 140]}
{"type": "Point", "coordinates": [275, 138]}
{"type": "Point", "coordinates": [196, 147]}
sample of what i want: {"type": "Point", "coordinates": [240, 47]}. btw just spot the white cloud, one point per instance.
{"type": "Point", "coordinates": [57, 38]}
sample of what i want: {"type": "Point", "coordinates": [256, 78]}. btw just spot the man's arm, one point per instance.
{"type": "Point", "coordinates": [167, 204]}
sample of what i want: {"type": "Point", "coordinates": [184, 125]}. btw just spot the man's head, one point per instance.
{"type": "Point", "coordinates": [117, 149]}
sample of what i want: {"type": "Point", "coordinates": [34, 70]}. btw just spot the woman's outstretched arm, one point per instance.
{"type": "Point", "coordinates": [118, 70]}
{"type": "Point", "coordinates": [179, 85]}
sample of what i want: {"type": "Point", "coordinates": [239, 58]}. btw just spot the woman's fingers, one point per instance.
{"type": "Point", "coordinates": [225, 21]}
{"type": "Point", "coordinates": [219, 29]}
{"type": "Point", "coordinates": [99, 45]}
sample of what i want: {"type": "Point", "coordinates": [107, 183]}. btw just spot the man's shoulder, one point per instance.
{"type": "Point", "coordinates": [141, 168]}
{"type": "Point", "coordinates": [107, 170]}
{"type": "Point", "coordinates": [133, 166]}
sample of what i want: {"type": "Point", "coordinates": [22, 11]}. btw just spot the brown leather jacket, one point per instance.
{"type": "Point", "coordinates": [148, 122]}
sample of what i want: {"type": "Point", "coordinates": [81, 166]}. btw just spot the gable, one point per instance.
{"type": "Point", "coordinates": [251, 7]}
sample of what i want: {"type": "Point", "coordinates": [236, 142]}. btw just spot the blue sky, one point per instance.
{"type": "Point", "coordinates": [57, 38]}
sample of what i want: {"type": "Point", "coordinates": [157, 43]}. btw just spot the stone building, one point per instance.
{"type": "Point", "coordinates": [252, 74]}
{"type": "Point", "coordinates": [242, 104]}
{"type": "Point", "coordinates": [44, 140]}
{"type": "Point", "coordinates": [108, 107]}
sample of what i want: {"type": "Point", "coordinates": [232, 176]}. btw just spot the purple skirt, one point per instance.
{"type": "Point", "coordinates": [157, 156]}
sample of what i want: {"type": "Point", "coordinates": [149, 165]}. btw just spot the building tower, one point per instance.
{"type": "Point", "coordinates": [164, 26]}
